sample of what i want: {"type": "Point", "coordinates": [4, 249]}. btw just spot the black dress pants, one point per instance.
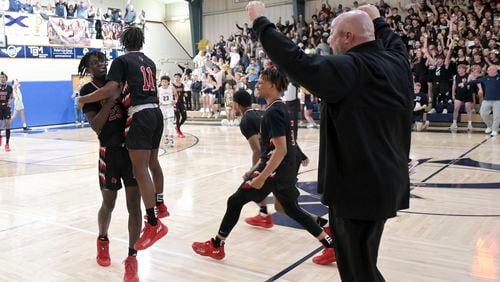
{"type": "Point", "coordinates": [356, 245]}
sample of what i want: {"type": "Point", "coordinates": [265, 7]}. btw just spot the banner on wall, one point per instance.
{"type": "Point", "coordinates": [54, 52]}
{"type": "Point", "coordinates": [17, 24]}
{"type": "Point", "coordinates": [69, 31]}
{"type": "Point", "coordinates": [111, 33]}
{"type": "Point", "coordinates": [13, 51]}
{"type": "Point", "coordinates": [38, 52]}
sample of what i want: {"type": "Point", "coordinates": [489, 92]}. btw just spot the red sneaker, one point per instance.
{"type": "Point", "coordinates": [260, 221]}
{"type": "Point", "coordinates": [131, 268]}
{"type": "Point", "coordinates": [103, 258]}
{"type": "Point", "coordinates": [207, 249]}
{"type": "Point", "coordinates": [162, 211]}
{"type": "Point", "coordinates": [326, 257]}
{"type": "Point", "coordinates": [7, 148]}
{"type": "Point", "coordinates": [150, 235]}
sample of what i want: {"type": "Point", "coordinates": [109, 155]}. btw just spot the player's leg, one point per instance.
{"type": "Point", "coordinates": [456, 113]}
{"type": "Point", "coordinates": [287, 194]}
{"type": "Point", "coordinates": [143, 137]}
{"type": "Point", "coordinates": [134, 230]}
{"type": "Point", "coordinates": [178, 122]}
{"type": "Point", "coordinates": [103, 221]}
{"type": "Point", "coordinates": [7, 131]}
{"type": "Point", "coordinates": [1, 124]}
{"type": "Point", "coordinates": [214, 247]}
{"type": "Point", "coordinates": [157, 174]}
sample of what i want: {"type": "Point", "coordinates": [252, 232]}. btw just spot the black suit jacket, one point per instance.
{"type": "Point", "coordinates": [366, 118]}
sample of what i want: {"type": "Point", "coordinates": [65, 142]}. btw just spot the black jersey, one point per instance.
{"type": "Point", "coordinates": [250, 123]}
{"type": "Point", "coordinates": [138, 73]}
{"type": "Point", "coordinates": [442, 74]}
{"type": "Point", "coordinates": [462, 88]}
{"type": "Point", "coordinates": [5, 95]}
{"type": "Point", "coordinates": [111, 134]}
{"type": "Point", "coordinates": [276, 123]}
{"type": "Point", "coordinates": [180, 94]}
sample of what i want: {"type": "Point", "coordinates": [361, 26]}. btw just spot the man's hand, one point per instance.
{"type": "Point", "coordinates": [371, 10]}
{"type": "Point", "coordinates": [255, 9]}
{"type": "Point", "coordinates": [79, 104]}
{"type": "Point", "coordinates": [257, 182]}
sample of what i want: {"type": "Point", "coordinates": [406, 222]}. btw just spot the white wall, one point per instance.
{"type": "Point", "coordinates": [181, 29]}
{"type": "Point", "coordinates": [160, 46]}
{"type": "Point", "coordinates": [220, 16]}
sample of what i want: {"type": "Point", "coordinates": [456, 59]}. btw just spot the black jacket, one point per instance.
{"type": "Point", "coordinates": [366, 117]}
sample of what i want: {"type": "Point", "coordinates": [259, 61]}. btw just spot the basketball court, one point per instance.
{"type": "Point", "coordinates": [49, 198]}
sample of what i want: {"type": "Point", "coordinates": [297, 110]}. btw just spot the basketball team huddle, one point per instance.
{"type": "Point", "coordinates": [129, 112]}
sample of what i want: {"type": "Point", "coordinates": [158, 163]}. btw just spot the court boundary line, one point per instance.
{"type": "Point", "coordinates": [455, 160]}
{"type": "Point", "coordinates": [299, 262]}
{"type": "Point", "coordinates": [293, 266]}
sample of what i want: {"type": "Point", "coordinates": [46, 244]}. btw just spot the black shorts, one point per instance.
{"type": "Point", "coordinates": [283, 191]}
{"type": "Point", "coordinates": [114, 167]}
{"type": "Point", "coordinates": [464, 98]}
{"type": "Point", "coordinates": [4, 113]}
{"type": "Point", "coordinates": [144, 130]}
{"type": "Point", "coordinates": [418, 117]}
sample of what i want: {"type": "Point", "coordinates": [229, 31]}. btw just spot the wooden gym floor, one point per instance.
{"type": "Point", "coordinates": [49, 200]}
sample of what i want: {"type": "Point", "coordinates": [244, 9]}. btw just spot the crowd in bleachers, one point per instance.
{"type": "Point", "coordinates": [85, 10]}
{"type": "Point", "coordinates": [441, 36]}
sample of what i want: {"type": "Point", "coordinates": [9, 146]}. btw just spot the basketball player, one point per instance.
{"type": "Point", "coordinates": [144, 128]}
{"type": "Point", "coordinates": [275, 173]}
{"type": "Point", "coordinates": [5, 102]}
{"type": "Point", "coordinates": [168, 97]}
{"type": "Point", "coordinates": [250, 128]}
{"type": "Point", "coordinates": [180, 105]}
{"type": "Point", "coordinates": [107, 118]}
{"type": "Point", "coordinates": [18, 104]}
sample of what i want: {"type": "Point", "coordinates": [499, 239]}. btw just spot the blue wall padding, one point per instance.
{"type": "Point", "coordinates": [46, 103]}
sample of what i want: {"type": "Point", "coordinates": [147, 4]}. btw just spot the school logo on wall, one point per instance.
{"type": "Point", "coordinates": [12, 51]}
{"type": "Point", "coordinates": [13, 20]}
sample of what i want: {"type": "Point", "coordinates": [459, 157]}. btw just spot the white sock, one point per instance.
{"type": "Point", "coordinates": [470, 123]}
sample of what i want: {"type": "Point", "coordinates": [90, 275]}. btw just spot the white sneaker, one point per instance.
{"type": "Point", "coordinates": [310, 125]}
{"type": "Point", "coordinates": [445, 111]}
{"type": "Point", "coordinates": [204, 115]}
{"type": "Point", "coordinates": [488, 130]}
{"type": "Point", "coordinates": [470, 127]}
{"type": "Point", "coordinates": [494, 133]}
{"type": "Point", "coordinates": [432, 111]}
{"type": "Point", "coordinates": [454, 126]}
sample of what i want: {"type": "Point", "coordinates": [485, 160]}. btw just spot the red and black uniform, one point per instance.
{"type": "Point", "coordinates": [145, 120]}
{"type": "Point", "coordinates": [5, 96]}
{"type": "Point", "coordinates": [180, 106]}
{"type": "Point", "coordinates": [275, 123]}
{"type": "Point", "coordinates": [115, 165]}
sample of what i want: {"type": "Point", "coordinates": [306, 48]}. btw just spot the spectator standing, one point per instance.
{"type": "Point", "coordinates": [196, 90]}
{"type": "Point", "coordinates": [420, 104]}
{"type": "Point", "coordinates": [490, 86]}
{"type": "Point", "coordinates": [130, 14]}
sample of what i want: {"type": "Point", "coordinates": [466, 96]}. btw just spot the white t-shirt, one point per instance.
{"type": "Point", "coordinates": [187, 85]}
{"type": "Point", "coordinates": [235, 59]}
{"type": "Point", "coordinates": [166, 95]}
{"type": "Point", "coordinates": [290, 93]}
